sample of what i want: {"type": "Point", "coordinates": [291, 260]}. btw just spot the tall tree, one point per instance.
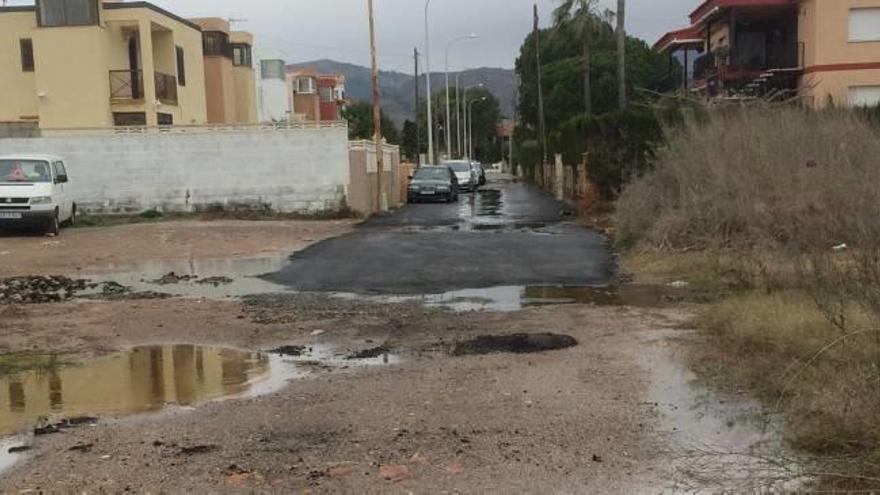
{"type": "Point", "coordinates": [621, 54]}
{"type": "Point", "coordinates": [580, 17]}
{"type": "Point", "coordinates": [360, 123]}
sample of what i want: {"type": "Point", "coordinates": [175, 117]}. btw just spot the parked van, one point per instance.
{"type": "Point", "coordinates": [35, 192]}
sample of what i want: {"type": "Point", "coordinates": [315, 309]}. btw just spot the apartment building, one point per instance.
{"type": "Point", "coordinates": [274, 102]}
{"type": "Point", "coordinates": [91, 63]}
{"type": "Point", "coordinates": [229, 73]}
{"type": "Point", "coordinates": [827, 52]}
{"type": "Point", "coordinates": [316, 97]}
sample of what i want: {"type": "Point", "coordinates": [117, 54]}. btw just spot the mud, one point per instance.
{"type": "Point", "coordinates": [173, 278]}
{"type": "Point", "coordinates": [41, 289]}
{"type": "Point", "coordinates": [522, 343]}
{"type": "Point", "coordinates": [369, 353]}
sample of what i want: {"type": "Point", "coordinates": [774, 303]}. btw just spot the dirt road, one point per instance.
{"type": "Point", "coordinates": [362, 394]}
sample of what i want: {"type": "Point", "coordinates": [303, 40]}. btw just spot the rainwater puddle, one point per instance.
{"type": "Point", "coordinates": [198, 278]}
{"type": "Point", "coordinates": [720, 444]}
{"type": "Point", "coordinates": [515, 298]}
{"type": "Point", "coordinates": [151, 379]}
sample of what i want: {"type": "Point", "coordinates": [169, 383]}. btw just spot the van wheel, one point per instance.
{"type": "Point", "coordinates": [70, 222]}
{"type": "Point", "coordinates": [54, 226]}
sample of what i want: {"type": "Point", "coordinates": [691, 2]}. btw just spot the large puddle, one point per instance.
{"type": "Point", "coordinates": [721, 444]}
{"type": "Point", "coordinates": [151, 379]}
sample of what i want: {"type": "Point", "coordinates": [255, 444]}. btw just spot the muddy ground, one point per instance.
{"type": "Point", "coordinates": [609, 409]}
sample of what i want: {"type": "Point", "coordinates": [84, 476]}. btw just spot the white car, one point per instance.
{"type": "Point", "coordinates": [35, 191]}
{"type": "Point", "coordinates": [464, 172]}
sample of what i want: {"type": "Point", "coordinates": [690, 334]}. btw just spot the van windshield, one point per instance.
{"type": "Point", "coordinates": [24, 171]}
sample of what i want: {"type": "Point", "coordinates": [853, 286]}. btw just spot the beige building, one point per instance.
{"type": "Point", "coordinates": [229, 73]}
{"type": "Point", "coordinates": [825, 51]}
{"type": "Point", "coordinates": [90, 63]}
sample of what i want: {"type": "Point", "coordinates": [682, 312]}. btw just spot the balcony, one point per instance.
{"type": "Point", "coordinates": [128, 85]}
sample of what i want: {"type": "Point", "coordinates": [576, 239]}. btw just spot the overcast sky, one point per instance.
{"type": "Point", "coordinates": [301, 30]}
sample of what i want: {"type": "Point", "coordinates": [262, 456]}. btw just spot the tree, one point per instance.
{"type": "Point", "coordinates": [409, 140]}
{"type": "Point", "coordinates": [360, 123]}
{"type": "Point", "coordinates": [579, 17]}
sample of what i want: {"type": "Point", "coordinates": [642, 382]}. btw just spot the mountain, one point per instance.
{"type": "Point", "coordinates": [398, 89]}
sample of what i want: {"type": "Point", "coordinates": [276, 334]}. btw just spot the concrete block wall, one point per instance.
{"type": "Point", "coordinates": [289, 170]}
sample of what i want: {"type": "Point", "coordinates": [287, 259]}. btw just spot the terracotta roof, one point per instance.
{"type": "Point", "coordinates": [709, 6]}
{"type": "Point", "coordinates": [686, 36]}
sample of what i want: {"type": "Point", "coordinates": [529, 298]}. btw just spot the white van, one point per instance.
{"type": "Point", "coordinates": [35, 191]}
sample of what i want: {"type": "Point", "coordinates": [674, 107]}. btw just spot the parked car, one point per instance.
{"type": "Point", "coordinates": [464, 171]}
{"type": "Point", "coordinates": [433, 184]}
{"type": "Point", "coordinates": [35, 192]}
{"type": "Point", "coordinates": [480, 173]}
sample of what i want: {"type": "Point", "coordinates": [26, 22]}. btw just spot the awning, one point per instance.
{"type": "Point", "coordinates": [709, 7]}
{"type": "Point", "coordinates": [692, 36]}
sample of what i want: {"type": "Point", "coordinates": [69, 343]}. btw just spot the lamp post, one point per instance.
{"type": "Point", "coordinates": [428, 82]}
{"type": "Point", "coordinates": [448, 113]}
{"type": "Point", "coordinates": [464, 100]}
{"type": "Point", "coordinates": [470, 119]}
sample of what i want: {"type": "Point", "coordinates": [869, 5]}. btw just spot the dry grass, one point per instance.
{"type": "Point", "coordinates": [754, 200]}
{"type": "Point", "coordinates": [758, 178]}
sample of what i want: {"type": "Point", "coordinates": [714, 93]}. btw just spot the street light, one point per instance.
{"type": "Point", "coordinates": [464, 110]}
{"type": "Point", "coordinates": [470, 120]}
{"type": "Point", "coordinates": [448, 113]}
{"type": "Point", "coordinates": [428, 81]}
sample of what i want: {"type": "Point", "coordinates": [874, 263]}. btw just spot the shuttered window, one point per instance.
{"type": "Point", "coordinates": [864, 24]}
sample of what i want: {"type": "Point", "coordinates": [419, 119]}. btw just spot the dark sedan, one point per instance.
{"type": "Point", "coordinates": [433, 184]}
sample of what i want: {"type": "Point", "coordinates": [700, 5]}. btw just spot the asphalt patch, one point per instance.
{"type": "Point", "coordinates": [289, 350]}
{"type": "Point", "coordinates": [369, 353]}
{"type": "Point", "coordinates": [521, 343]}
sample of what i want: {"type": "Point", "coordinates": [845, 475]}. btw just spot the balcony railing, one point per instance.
{"type": "Point", "coordinates": [166, 88]}
{"type": "Point", "coordinates": [129, 85]}
{"type": "Point", "coordinates": [786, 56]}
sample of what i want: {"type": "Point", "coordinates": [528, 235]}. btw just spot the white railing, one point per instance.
{"type": "Point", "coordinates": [363, 144]}
{"type": "Point", "coordinates": [194, 129]}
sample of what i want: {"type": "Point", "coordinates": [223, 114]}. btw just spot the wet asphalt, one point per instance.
{"type": "Point", "coordinates": [506, 234]}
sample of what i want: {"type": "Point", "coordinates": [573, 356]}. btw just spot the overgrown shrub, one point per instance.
{"type": "Point", "coordinates": [759, 177]}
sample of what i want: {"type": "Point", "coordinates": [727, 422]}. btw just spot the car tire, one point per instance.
{"type": "Point", "coordinates": [54, 226]}
{"type": "Point", "coordinates": [70, 222]}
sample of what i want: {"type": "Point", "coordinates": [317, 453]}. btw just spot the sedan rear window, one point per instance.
{"type": "Point", "coordinates": [24, 171]}
{"type": "Point", "coordinates": [435, 173]}
{"type": "Point", "coordinates": [460, 166]}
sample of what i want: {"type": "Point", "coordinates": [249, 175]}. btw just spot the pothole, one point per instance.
{"type": "Point", "coordinates": [521, 343]}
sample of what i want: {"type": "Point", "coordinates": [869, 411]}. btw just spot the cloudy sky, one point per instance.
{"type": "Point", "coordinates": [301, 30]}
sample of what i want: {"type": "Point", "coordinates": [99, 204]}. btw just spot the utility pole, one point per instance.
{"type": "Point", "coordinates": [621, 54]}
{"type": "Point", "coordinates": [428, 82]}
{"type": "Point", "coordinates": [542, 125]}
{"type": "Point", "coordinates": [458, 113]}
{"type": "Point", "coordinates": [418, 126]}
{"type": "Point", "coordinates": [377, 114]}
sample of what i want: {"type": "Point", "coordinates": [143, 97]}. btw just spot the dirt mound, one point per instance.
{"type": "Point", "coordinates": [521, 343]}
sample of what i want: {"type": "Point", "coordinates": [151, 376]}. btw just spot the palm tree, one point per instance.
{"type": "Point", "coordinates": [580, 16]}
{"type": "Point", "coordinates": [621, 54]}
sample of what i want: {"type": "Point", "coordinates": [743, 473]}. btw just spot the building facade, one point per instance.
{"type": "Point", "coordinates": [90, 63]}
{"type": "Point", "coordinates": [826, 52]}
{"type": "Point", "coordinates": [274, 103]}
{"type": "Point", "coordinates": [229, 73]}
{"type": "Point", "coordinates": [316, 97]}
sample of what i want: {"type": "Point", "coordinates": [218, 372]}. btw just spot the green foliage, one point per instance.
{"type": "Point", "coordinates": [360, 123]}
{"type": "Point", "coordinates": [409, 140]}
{"type": "Point", "coordinates": [620, 145]}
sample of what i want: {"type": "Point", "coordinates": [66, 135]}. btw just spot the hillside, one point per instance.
{"type": "Point", "coordinates": [398, 88]}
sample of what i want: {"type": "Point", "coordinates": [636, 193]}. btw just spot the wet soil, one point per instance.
{"type": "Point", "coordinates": [522, 343]}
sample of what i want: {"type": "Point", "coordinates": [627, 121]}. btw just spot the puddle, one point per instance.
{"type": "Point", "coordinates": [720, 443]}
{"type": "Point", "coordinates": [154, 378]}
{"type": "Point", "coordinates": [198, 278]}
{"type": "Point", "coordinates": [515, 298]}
{"type": "Point", "coordinates": [521, 343]}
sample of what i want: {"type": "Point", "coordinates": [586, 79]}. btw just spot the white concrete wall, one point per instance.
{"type": "Point", "coordinates": [290, 170]}
{"type": "Point", "coordinates": [274, 102]}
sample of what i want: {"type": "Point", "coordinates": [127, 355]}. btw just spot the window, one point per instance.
{"type": "Point", "coordinates": [126, 119]}
{"type": "Point", "coordinates": [60, 171]}
{"type": "Point", "coordinates": [326, 93]}
{"type": "Point", "coordinates": [272, 69]}
{"type": "Point", "coordinates": [864, 24]}
{"type": "Point", "coordinates": [864, 96]}
{"type": "Point", "coordinates": [27, 55]}
{"type": "Point", "coordinates": [305, 85]}
{"type": "Point", "coordinates": [165, 119]}
{"type": "Point", "coordinates": [181, 66]}
{"type": "Point", "coordinates": [216, 43]}
{"type": "Point", "coordinates": [241, 54]}
{"type": "Point", "coordinates": [67, 12]}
